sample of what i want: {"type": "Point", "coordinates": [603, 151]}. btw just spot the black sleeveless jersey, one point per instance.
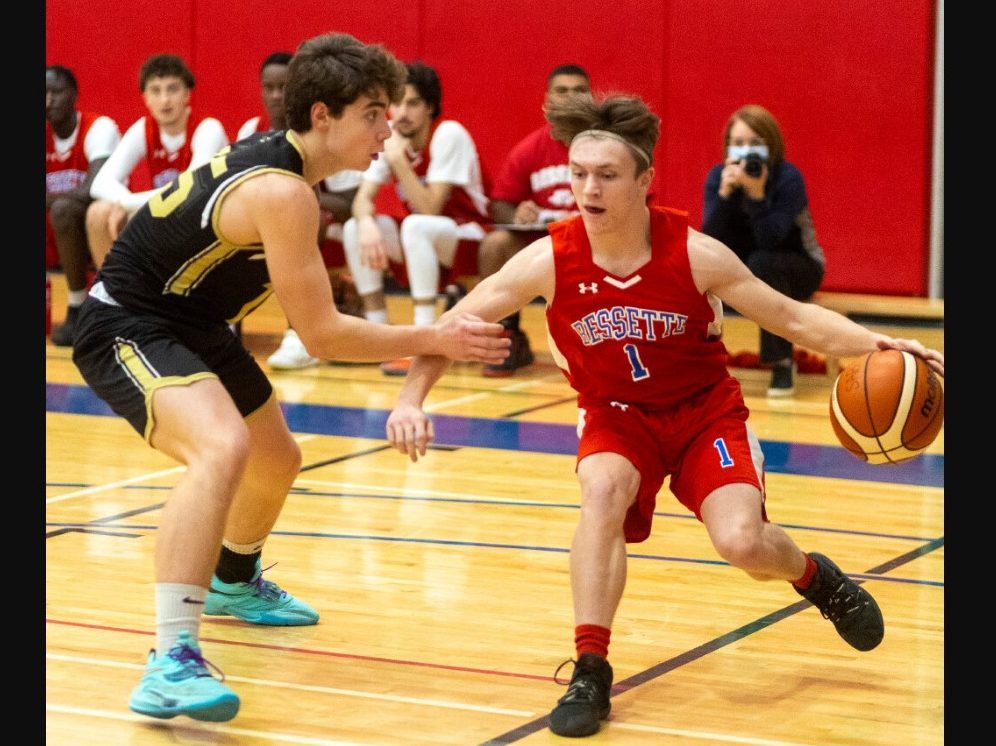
{"type": "Point", "coordinates": [170, 262]}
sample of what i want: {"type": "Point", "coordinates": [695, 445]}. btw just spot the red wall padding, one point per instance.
{"type": "Point", "coordinates": [850, 83]}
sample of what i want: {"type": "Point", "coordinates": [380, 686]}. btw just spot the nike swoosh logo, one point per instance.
{"type": "Point", "coordinates": [189, 600]}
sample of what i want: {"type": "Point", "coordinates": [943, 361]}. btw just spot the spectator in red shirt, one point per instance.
{"type": "Point", "coordinates": [533, 188]}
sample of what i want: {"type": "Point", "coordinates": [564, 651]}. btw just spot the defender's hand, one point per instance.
{"type": "Point", "coordinates": [409, 430]}
{"type": "Point", "coordinates": [465, 337]}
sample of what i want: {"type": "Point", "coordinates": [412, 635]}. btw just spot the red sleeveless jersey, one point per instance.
{"type": "Point", "coordinates": [66, 171]}
{"type": "Point", "coordinates": [460, 206]}
{"type": "Point", "coordinates": [644, 339]}
{"type": "Point", "coordinates": [164, 166]}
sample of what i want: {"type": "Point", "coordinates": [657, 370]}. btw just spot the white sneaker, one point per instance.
{"type": "Point", "coordinates": [291, 354]}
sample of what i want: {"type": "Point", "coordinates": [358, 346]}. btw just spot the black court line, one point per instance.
{"type": "Point", "coordinates": [337, 459]}
{"type": "Point", "coordinates": [520, 547]}
{"type": "Point", "coordinates": [129, 513]}
{"type": "Point", "coordinates": [97, 521]}
{"type": "Point", "coordinates": [527, 729]}
{"type": "Point", "coordinates": [80, 530]}
{"type": "Point", "coordinates": [311, 492]}
{"type": "Point", "coordinates": [538, 407]}
{"type": "Point", "coordinates": [367, 452]}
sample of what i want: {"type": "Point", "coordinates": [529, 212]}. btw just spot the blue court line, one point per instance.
{"type": "Point", "coordinates": [486, 545]}
{"type": "Point", "coordinates": [780, 457]}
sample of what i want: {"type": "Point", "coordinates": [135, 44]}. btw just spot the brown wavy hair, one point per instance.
{"type": "Point", "coordinates": [621, 114]}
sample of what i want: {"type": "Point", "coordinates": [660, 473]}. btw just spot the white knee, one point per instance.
{"type": "Point", "coordinates": [427, 241]}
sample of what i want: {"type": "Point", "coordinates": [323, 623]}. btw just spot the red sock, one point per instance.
{"type": "Point", "coordinates": [808, 575]}
{"type": "Point", "coordinates": [590, 638]}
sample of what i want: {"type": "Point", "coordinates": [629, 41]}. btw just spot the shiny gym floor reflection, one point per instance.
{"type": "Point", "coordinates": [443, 586]}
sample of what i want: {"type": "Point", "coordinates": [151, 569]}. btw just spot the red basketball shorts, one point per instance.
{"type": "Point", "coordinates": [702, 444]}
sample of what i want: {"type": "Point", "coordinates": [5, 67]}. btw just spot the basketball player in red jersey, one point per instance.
{"type": "Point", "coordinates": [171, 139]}
{"type": "Point", "coordinates": [77, 143]}
{"type": "Point", "coordinates": [633, 307]}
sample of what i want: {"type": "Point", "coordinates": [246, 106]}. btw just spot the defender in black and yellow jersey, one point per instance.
{"type": "Point", "coordinates": [153, 340]}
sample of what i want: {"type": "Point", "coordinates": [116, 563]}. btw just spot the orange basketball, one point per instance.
{"type": "Point", "coordinates": [887, 406]}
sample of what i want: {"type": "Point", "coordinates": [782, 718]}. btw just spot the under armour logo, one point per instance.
{"type": "Point", "coordinates": [592, 288]}
{"type": "Point", "coordinates": [621, 406]}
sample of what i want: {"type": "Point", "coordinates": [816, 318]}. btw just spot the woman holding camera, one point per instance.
{"type": "Point", "coordinates": [755, 203]}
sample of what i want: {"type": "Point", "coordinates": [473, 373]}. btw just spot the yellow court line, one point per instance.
{"type": "Point", "coordinates": [314, 688]}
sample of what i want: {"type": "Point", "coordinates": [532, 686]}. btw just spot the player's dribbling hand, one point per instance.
{"type": "Point", "coordinates": [409, 430]}
{"type": "Point", "coordinates": [933, 358]}
{"type": "Point", "coordinates": [464, 336]}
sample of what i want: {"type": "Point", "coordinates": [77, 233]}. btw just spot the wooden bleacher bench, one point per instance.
{"type": "Point", "coordinates": [866, 308]}
{"type": "Point", "coordinates": [901, 308]}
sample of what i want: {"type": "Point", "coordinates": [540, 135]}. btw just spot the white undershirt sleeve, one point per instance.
{"type": "Point", "coordinates": [109, 184]}
{"type": "Point", "coordinates": [451, 155]}
{"type": "Point", "coordinates": [101, 139]}
{"type": "Point", "coordinates": [250, 127]}
{"type": "Point", "coordinates": [207, 140]}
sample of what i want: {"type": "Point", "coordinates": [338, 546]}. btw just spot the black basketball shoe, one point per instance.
{"type": "Point", "coordinates": [850, 607]}
{"type": "Point", "coordinates": [587, 700]}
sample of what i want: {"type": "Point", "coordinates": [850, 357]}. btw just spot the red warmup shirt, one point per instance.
{"type": "Point", "coordinates": [66, 171]}
{"type": "Point", "coordinates": [536, 169]}
{"type": "Point", "coordinates": [63, 173]}
{"type": "Point", "coordinates": [644, 339]}
{"type": "Point", "coordinates": [164, 166]}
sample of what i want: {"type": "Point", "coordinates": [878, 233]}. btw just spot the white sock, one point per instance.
{"type": "Point", "coordinates": [76, 297]}
{"type": "Point", "coordinates": [251, 548]}
{"type": "Point", "coordinates": [425, 314]}
{"type": "Point", "coordinates": [178, 608]}
{"type": "Point", "coordinates": [378, 317]}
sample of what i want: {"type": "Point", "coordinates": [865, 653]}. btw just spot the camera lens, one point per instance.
{"type": "Point", "coordinates": [753, 165]}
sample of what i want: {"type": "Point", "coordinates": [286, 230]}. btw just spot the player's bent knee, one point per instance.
{"type": "Point", "coordinates": [740, 547]}
{"type": "Point", "coordinates": [606, 498]}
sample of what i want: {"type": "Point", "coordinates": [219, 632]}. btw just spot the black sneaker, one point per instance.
{"type": "Point", "coordinates": [519, 356]}
{"type": "Point", "coordinates": [63, 336]}
{"type": "Point", "coordinates": [587, 700]}
{"type": "Point", "coordinates": [782, 381]}
{"type": "Point", "coordinates": [850, 607]}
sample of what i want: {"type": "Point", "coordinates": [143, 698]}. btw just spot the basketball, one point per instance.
{"type": "Point", "coordinates": [887, 406]}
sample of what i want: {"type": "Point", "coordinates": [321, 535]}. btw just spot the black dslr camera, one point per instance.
{"type": "Point", "coordinates": [753, 165]}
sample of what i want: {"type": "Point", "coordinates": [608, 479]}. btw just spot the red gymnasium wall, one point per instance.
{"type": "Point", "coordinates": [850, 83]}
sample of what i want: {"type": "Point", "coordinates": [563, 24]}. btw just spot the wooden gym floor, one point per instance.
{"type": "Point", "coordinates": [443, 586]}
